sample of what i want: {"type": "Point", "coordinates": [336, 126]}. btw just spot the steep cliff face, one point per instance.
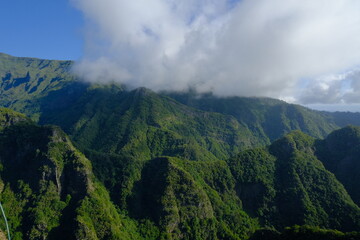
{"type": "Point", "coordinates": [47, 187]}
{"type": "Point", "coordinates": [49, 191]}
{"type": "Point", "coordinates": [9, 117]}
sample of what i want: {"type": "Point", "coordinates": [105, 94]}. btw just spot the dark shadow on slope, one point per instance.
{"type": "Point", "coordinates": [145, 201]}
{"type": "Point", "coordinates": [52, 105]}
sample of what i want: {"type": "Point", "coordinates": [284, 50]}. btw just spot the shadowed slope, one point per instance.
{"type": "Point", "coordinates": [286, 184]}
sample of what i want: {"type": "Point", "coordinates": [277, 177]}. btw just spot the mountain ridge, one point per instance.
{"type": "Point", "coordinates": [170, 198]}
{"type": "Point", "coordinates": [136, 164]}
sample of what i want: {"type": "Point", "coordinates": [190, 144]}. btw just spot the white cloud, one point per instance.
{"type": "Point", "coordinates": [253, 47]}
{"type": "Point", "coordinates": [332, 89]}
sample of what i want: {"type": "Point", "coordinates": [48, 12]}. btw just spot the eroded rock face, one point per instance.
{"type": "Point", "coordinates": [9, 118]}
{"type": "Point", "coordinates": [44, 180]}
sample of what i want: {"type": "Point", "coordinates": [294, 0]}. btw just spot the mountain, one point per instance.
{"type": "Point", "coordinates": [190, 200]}
{"type": "Point", "coordinates": [343, 119]}
{"type": "Point", "coordinates": [47, 88]}
{"type": "Point", "coordinates": [269, 119]}
{"type": "Point", "coordinates": [304, 232]}
{"type": "Point", "coordinates": [135, 164]}
{"type": "Point", "coordinates": [340, 153]}
{"type": "Point", "coordinates": [48, 189]}
{"type": "Point", "coordinates": [144, 124]}
{"type": "Point", "coordinates": [25, 80]}
{"type": "Point", "coordinates": [286, 184]}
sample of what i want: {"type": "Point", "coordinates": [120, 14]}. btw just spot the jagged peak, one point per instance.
{"type": "Point", "coordinates": [9, 117]}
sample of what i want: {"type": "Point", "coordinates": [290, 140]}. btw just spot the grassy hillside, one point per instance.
{"type": "Point", "coordinates": [25, 80]}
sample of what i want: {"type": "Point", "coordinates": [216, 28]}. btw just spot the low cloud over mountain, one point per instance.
{"type": "Point", "coordinates": [304, 51]}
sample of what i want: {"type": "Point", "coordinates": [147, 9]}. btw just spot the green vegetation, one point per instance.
{"type": "Point", "coordinates": [286, 184]}
{"type": "Point", "coordinates": [187, 198]}
{"type": "Point", "coordinates": [47, 186]}
{"type": "Point", "coordinates": [168, 166]}
{"type": "Point", "coordinates": [9, 117]}
{"type": "Point", "coordinates": [25, 81]}
{"type": "Point", "coordinates": [304, 232]}
{"type": "Point", "coordinates": [146, 125]}
{"type": "Point", "coordinates": [268, 119]}
{"type": "Point", "coordinates": [340, 153]}
{"type": "Point", "coordinates": [54, 190]}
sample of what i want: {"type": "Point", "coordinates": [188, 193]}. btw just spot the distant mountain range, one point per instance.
{"type": "Point", "coordinates": [98, 161]}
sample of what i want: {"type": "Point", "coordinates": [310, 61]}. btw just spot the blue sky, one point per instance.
{"type": "Point", "coordinates": [252, 48]}
{"type": "Point", "coordinates": [48, 29]}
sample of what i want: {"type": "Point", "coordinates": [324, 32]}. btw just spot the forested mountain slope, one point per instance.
{"type": "Point", "coordinates": [340, 153]}
{"type": "Point", "coordinates": [44, 88]}
{"type": "Point", "coordinates": [286, 184]}
{"type": "Point", "coordinates": [269, 118]}
{"type": "Point", "coordinates": [48, 189]}
{"type": "Point", "coordinates": [144, 124]}
{"type": "Point", "coordinates": [166, 166]}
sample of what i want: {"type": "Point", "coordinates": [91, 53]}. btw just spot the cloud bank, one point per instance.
{"type": "Point", "coordinates": [333, 89]}
{"type": "Point", "coordinates": [301, 50]}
